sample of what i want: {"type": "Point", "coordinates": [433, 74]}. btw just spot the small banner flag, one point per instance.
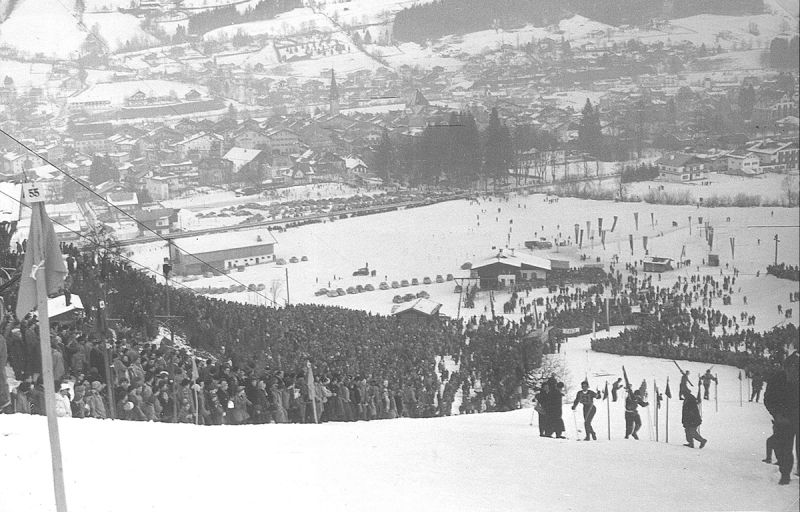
{"type": "Point", "coordinates": [599, 224]}
{"type": "Point", "coordinates": [683, 253]}
{"type": "Point", "coordinates": [690, 224]}
{"type": "Point", "coordinates": [667, 391]}
{"type": "Point", "coordinates": [577, 231]}
{"type": "Point", "coordinates": [740, 374]}
{"type": "Point", "coordinates": [605, 392]}
{"type": "Point", "coordinates": [644, 243]}
{"type": "Point", "coordinates": [733, 247]}
{"type": "Point", "coordinates": [614, 224]}
{"type": "Point", "coordinates": [652, 220]}
{"type": "Point", "coordinates": [630, 241]}
{"type": "Point", "coordinates": [700, 220]}
{"type": "Point", "coordinates": [710, 238]}
{"type": "Point", "coordinates": [603, 238]}
{"type": "Point", "coordinates": [580, 241]}
{"type": "Point", "coordinates": [636, 220]}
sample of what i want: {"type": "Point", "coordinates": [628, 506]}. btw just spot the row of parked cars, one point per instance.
{"type": "Point", "coordinates": [383, 286]}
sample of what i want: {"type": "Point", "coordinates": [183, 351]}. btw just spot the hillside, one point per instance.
{"type": "Point", "coordinates": [61, 33]}
{"type": "Point", "coordinates": [480, 462]}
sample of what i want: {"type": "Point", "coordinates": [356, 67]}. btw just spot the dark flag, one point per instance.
{"type": "Point", "coordinates": [667, 391]}
{"type": "Point", "coordinates": [644, 243]}
{"type": "Point", "coordinates": [603, 238]}
{"type": "Point", "coordinates": [630, 240]}
{"type": "Point", "coordinates": [652, 220]}
{"type": "Point", "coordinates": [636, 220]}
{"type": "Point", "coordinates": [605, 392]}
{"type": "Point", "coordinates": [580, 242]}
{"type": "Point", "coordinates": [599, 224]}
{"type": "Point", "coordinates": [733, 243]}
{"type": "Point", "coordinates": [740, 374]}
{"type": "Point", "coordinates": [577, 231]}
{"type": "Point", "coordinates": [690, 224]}
{"type": "Point", "coordinates": [614, 224]}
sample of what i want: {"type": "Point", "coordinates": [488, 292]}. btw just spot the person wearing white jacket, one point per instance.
{"type": "Point", "coordinates": [63, 409]}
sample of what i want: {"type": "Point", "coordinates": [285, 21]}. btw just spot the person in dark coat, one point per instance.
{"type": "Point", "coordinates": [707, 379]}
{"type": "Point", "coordinates": [684, 387]}
{"type": "Point", "coordinates": [691, 420]}
{"type": "Point", "coordinates": [758, 384]}
{"type": "Point", "coordinates": [616, 386]}
{"type": "Point", "coordinates": [553, 409]}
{"type": "Point", "coordinates": [782, 400]}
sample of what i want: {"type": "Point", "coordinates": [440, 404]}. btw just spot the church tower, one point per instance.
{"type": "Point", "coordinates": [334, 95]}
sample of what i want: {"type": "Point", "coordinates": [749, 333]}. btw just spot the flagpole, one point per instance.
{"type": "Point", "coordinates": [608, 412]}
{"type": "Point", "coordinates": [716, 392]}
{"type": "Point", "coordinates": [47, 375]}
{"type": "Point", "coordinates": [658, 404]}
{"type": "Point", "coordinates": [740, 388]}
{"type": "Point", "coordinates": [667, 432]}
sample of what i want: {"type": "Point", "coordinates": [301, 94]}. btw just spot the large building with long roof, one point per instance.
{"type": "Point", "coordinates": [222, 251]}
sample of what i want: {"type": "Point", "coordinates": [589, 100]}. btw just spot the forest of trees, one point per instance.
{"type": "Point", "coordinates": [265, 9]}
{"type": "Point", "coordinates": [437, 19]}
{"type": "Point", "coordinates": [784, 53]}
{"type": "Point", "coordinates": [456, 151]}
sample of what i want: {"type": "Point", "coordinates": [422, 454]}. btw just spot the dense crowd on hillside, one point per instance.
{"type": "Point", "coordinates": [365, 366]}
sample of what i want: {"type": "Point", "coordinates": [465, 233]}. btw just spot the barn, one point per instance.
{"type": "Point", "coordinates": [507, 269]}
{"type": "Point", "coordinates": [222, 251]}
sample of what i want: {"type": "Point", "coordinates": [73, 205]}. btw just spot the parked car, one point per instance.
{"type": "Point", "coordinates": [293, 259]}
{"type": "Point", "coordinates": [414, 282]}
{"type": "Point", "coordinates": [409, 297]}
{"type": "Point", "coordinates": [423, 295]}
{"type": "Point", "coordinates": [397, 299]}
{"type": "Point", "coordinates": [404, 283]}
{"type": "Point", "coordinates": [395, 284]}
{"type": "Point", "coordinates": [383, 286]}
{"type": "Point", "coordinates": [427, 280]}
{"type": "Point", "coordinates": [369, 288]}
{"type": "Point", "coordinates": [439, 278]}
{"type": "Point", "coordinates": [321, 291]}
{"type": "Point", "coordinates": [351, 290]}
{"type": "Point", "coordinates": [280, 261]}
{"type": "Point", "coordinates": [341, 291]}
{"type": "Point", "coordinates": [364, 271]}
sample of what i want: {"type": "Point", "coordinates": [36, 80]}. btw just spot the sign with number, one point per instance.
{"type": "Point", "coordinates": [33, 192]}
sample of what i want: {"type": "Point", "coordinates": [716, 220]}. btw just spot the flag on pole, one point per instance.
{"type": "Point", "coordinates": [652, 220]}
{"type": "Point", "coordinates": [644, 243]}
{"type": "Point", "coordinates": [683, 253]}
{"type": "Point", "coordinates": [630, 241]}
{"type": "Point", "coordinates": [740, 374]}
{"type": "Point", "coordinates": [614, 224]}
{"type": "Point", "coordinates": [605, 392]}
{"type": "Point", "coordinates": [690, 224]}
{"type": "Point", "coordinates": [636, 220]}
{"type": "Point", "coordinates": [599, 224]}
{"type": "Point", "coordinates": [42, 250]}
{"type": "Point", "coordinates": [603, 238]}
{"type": "Point", "coordinates": [195, 373]}
{"type": "Point", "coordinates": [667, 391]}
{"type": "Point", "coordinates": [733, 243]}
{"type": "Point", "coordinates": [580, 241]}
{"type": "Point", "coordinates": [577, 231]}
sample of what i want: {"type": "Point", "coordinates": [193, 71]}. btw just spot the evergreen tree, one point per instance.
{"type": "Point", "coordinates": [384, 157]}
{"type": "Point", "coordinates": [102, 170]}
{"type": "Point", "coordinates": [747, 100]}
{"type": "Point", "coordinates": [589, 132]}
{"type": "Point", "coordinates": [497, 149]}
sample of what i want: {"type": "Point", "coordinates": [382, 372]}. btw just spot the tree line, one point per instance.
{"type": "Point", "coordinates": [205, 21]}
{"type": "Point", "coordinates": [784, 53]}
{"type": "Point", "coordinates": [443, 17]}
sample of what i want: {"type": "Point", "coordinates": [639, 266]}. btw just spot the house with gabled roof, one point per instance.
{"type": "Point", "coordinates": [681, 167]}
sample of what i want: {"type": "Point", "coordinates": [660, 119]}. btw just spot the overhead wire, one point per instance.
{"type": "Point", "coordinates": [128, 215]}
{"type": "Point", "coordinates": [119, 255]}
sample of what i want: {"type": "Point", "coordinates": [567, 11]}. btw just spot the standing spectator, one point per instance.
{"type": "Point", "coordinates": [691, 420]}
{"type": "Point", "coordinates": [758, 384]}
{"type": "Point", "coordinates": [63, 407]}
{"type": "Point", "coordinates": [633, 422]}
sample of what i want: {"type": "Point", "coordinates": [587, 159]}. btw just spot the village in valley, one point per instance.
{"type": "Point", "coordinates": [261, 185]}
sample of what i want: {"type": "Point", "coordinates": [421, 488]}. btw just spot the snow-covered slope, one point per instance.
{"type": "Point", "coordinates": [481, 462]}
{"type": "Point", "coordinates": [60, 33]}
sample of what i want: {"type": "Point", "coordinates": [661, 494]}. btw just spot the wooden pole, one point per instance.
{"type": "Point", "coordinates": [655, 391]}
{"type": "Point", "coordinates": [49, 382]}
{"type": "Point", "coordinates": [608, 414]}
{"type": "Point", "coordinates": [286, 269]}
{"type": "Point", "coordinates": [608, 315]}
{"type": "Point", "coordinates": [667, 433]}
{"type": "Point", "coordinates": [716, 392]}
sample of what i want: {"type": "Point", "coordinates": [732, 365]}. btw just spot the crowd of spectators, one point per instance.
{"type": "Point", "coordinates": [115, 360]}
{"type": "Point", "coordinates": [784, 271]}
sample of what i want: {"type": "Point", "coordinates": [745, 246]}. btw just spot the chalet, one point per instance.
{"type": "Point", "coordinates": [506, 269]}
{"type": "Point", "coordinates": [192, 95]}
{"type": "Point", "coordinates": [681, 167]}
{"type": "Point", "coordinates": [161, 220]}
{"type": "Point", "coordinates": [775, 156]}
{"type": "Point", "coordinates": [198, 146]}
{"type": "Point", "coordinates": [743, 163]}
{"type": "Point", "coordinates": [222, 251]}
{"type": "Point", "coordinates": [214, 171]}
{"type": "Point", "coordinates": [283, 142]}
{"type": "Point", "coordinates": [250, 138]}
{"type": "Point", "coordinates": [355, 167]}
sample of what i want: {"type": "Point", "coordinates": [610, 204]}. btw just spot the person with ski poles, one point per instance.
{"type": "Point", "coordinates": [586, 397]}
{"type": "Point", "coordinates": [633, 422]}
{"type": "Point", "coordinates": [706, 379]}
{"type": "Point", "coordinates": [617, 385]}
{"type": "Point", "coordinates": [685, 383]}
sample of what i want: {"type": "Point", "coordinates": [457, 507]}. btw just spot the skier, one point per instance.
{"type": "Point", "coordinates": [691, 420]}
{"type": "Point", "coordinates": [706, 380]}
{"type": "Point", "coordinates": [685, 383]}
{"type": "Point", "coordinates": [586, 397]}
{"type": "Point", "coordinates": [617, 385]}
{"type": "Point", "coordinates": [758, 384]}
{"type": "Point", "coordinates": [633, 422]}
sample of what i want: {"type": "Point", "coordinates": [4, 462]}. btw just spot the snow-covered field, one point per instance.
{"type": "Point", "coordinates": [436, 240]}
{"type": "Point", "coordinates": [287, 23]}
{"type": "Point", "coordinates": [771, 187]}
{"type": "Point", "coordinates": [480, 462]}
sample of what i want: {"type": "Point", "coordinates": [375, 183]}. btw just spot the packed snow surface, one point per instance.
{"type": "Point", "coordinates": [480, 462]}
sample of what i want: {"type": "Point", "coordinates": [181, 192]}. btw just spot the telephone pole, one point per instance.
{"type": "Point", "coordinates": [776, 248]}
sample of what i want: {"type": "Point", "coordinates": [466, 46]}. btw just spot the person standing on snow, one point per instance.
{"type": "Point", "coordinates": [691, 420]}
{"type": "Point", "coordinates": [586, 397]}
{"type": "Point", "coordinates": [706, 379]}
{"type": "Point", "coordinates": [633, 422]}
{"type": "Point", "coordinates": [616, 386]}
{"type": "Point", "coordinates": [684, 389]}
